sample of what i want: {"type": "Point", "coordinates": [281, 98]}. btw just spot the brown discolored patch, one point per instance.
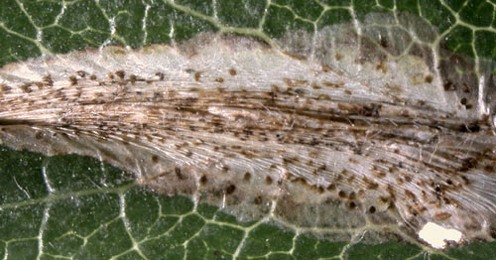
{"type": "Point", "coordinates": [352, 196]}
{"type": "Point", "coordinates": [382, 67]}
{"type": "Point", "coordinates": [372, 210]}
{"type": "Point", "coordinates": [449, 86]}
{"type": "Point", "coordinates": [38, 135]}
{"type": "Point", "coordinates": [220, 80]}
{"type": "Point", "coordinates": [73, 80]}
{"type": "Point", "coordinates": [352, 205]}
{"type": "Point", "coordinates": [428, 79]}
{"type": "Point", "coordinates": [247, 177]}
{"type": "Point", "coordinates": [232, 72]}
{"type": "Point", "coordinates": [342, 194]}
{"type": "Point", "coordinates": [268, 180]}
{"type": "Point", "coordinates": [81, 73]}
{"type": "Point", "coordinates": [93, 77]}
{"type": "Point", "coordinates": [203, 180]}
{"type": "Point", "coordinates": [257, 200]}
{"type": "Point", "coordinates": [347, 92]}
{"type": "Point", "coordinates": [47, 79]}
{"type": "Point", "coordinates": [331, 187]}
{"type": "Point", "coordinates": [5, 89]}
{"type": "Point", "coordinates": [197, 75]}
{"type": "Point", "coordinates": [442, 216]}
{"type": "Point", "coordinates": [121, 74]}
{"type": "Point", "coordinates": [154, 159]}
{"type": "Point", "coordinates": [230, 189]}
{"type": "Point", "coordinates": [178, 173]}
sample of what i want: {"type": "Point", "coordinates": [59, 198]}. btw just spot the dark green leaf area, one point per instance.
{"type": "Point", "coordinates": [334, 16]}
{"type": "Point", "coordinates": [478, 13]}
{"type": "Point", "coordinates": [60, 40]}
{"type": "Point", "coordinates": [265, 239]}
{"type": "Point", "coordinates": [241, 13]}
{"type": "Point", "coordinates": [158, 23]}
{"type": "Point", "coordinates": [23, 249]}
{"type": "Point", "coordinates": [21, 177]}
{"type": "Point", "coordinates": [310, 247]}
{"type": "Point", "coordinates": [216, 241]}
{"type": "Point", "coordinates": [205, 6]}
{"type": "Point", "coordinates": [70, 173]}
{"type": "Point", "coordinates": [437, 14]}
{"type": "Point", "coordinates": [305, 9]}
{"type": "Point", "coordinates": [109, 240]}
{"type": "Point", "coordinates": [43, 13]}
{"type": "Point", "coordinates": [82, 15]}
{"type": "Point", "coordinates": [128, 17]}
{"type": "Point", "coordinates": [20, 222]}
{"type": "Point", "coordinates": [280, 20]}
{"type": "Point", "coordinates": [385, 251]}
{"type": "Point", "coordinates": [460, 40]}
{"type": "Point", "coordinates": [13, 19]}
{"type": "Point", "coordinates": [186, 26]}
{"type": "Point", "coordinates": [485, 45]}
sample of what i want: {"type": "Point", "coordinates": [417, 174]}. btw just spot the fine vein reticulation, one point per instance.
{"type": "Point", "coordinates": [339, 137]}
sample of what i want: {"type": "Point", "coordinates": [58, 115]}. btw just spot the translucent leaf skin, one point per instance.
{"type": "Point", "coordinates": [258, 130]}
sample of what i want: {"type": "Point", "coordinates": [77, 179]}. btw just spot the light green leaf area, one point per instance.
{"type": "Point", "coordinates": [73, 207]}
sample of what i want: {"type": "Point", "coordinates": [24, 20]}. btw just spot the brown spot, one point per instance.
{"type": "Point", "coordinates": [372, 210]}
{"type": "Point", "coordinates": [352, 205]}
{"type": "Point", "coordinates": [232, 72]}
{"type": "Point", "coordinates": [26, 87]}
{"type": "Point", "coordinates": [230, 189]}
{"type": "Point", "coordinates": [463, 101]}
{"type": "Point", "coordinates": [179, 174]}
{"type": "Point", "coordinates": [410, 195]}
{"type": "Point", "coordinates": [93, 77]}
{"type": "Point", "coordinates": [247, 177]}
{"type": "Point", "coordinates": [449, 86]}
{"type": "Point", "coordinates": [268, 180]}
{"type": "Point", "coordinates": [342, 194]}
{"type": "Point", "coordinates": [220, 80]}
{"type": "Point", "coordinates": [197, 75]}
{"type": "Point", "coordinates": [347, 92]}
{"type": "Point", "coordinates": [400, 181]}
{"type": "Point", "coordinates": [82, 73]}
{"type": "Point", "coordinates": [160, 75]}
{"type": "Point", "coordinates": [338, 56]}
{"type": "Point", "coordinates": [332, 85]}
{"type": "Point", "coordinates": [225, 168]}
{"type": "Point", "coordinates": [352, 196]}
{"type": "Point", "coordinates": [331, 187]}
{"type": "Point", "coordinates": [5, 88]}
{"type": "Point", "coordinates": [47, 79]}
{"type": "Point", "coordinates": [257, 200]}
{"type": "Point", "coordinates": [38, 135]}
{"type": "Point", "coordinates": [154, 159]}
{"type": "Point", "coordinates": [442, 216]}
{"type": "Point", "coordinates": [120, 73]}
{"type": "Point", "coordinates": [381, 66]}
{"type": "Point", "coordinates": [203, 180]}
{"type": "Point", "coordinates": [428, 79]}
{"type": "Point", "coordinates": [73, 80]}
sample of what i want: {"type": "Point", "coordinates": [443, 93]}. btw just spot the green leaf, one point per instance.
{"type": "Point", "coordinates": [74, 207]}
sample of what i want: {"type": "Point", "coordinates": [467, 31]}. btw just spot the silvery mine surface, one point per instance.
{"type": "Point", "coordinates": [339, 136]}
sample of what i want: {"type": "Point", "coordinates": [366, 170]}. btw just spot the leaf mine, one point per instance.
{"type": "Point", "coordinates": [345, 134]}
